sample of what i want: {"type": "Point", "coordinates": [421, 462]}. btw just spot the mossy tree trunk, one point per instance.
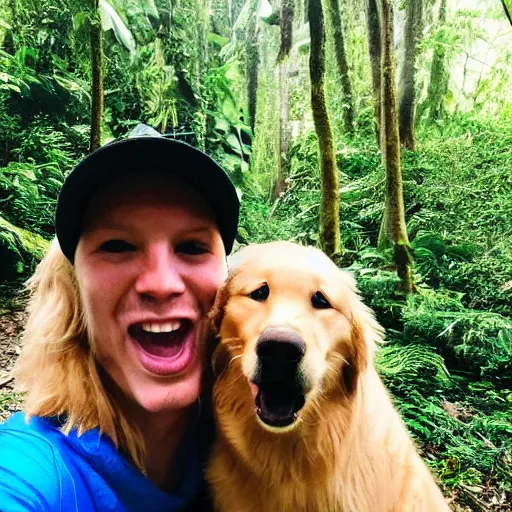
{"type": "Point", "coordinates": [334, 14]}
{"type": "Point", "coordinates": [506, 8]}
{"type": "Point", "coordinates": [374, 47]}
{"type": "Point", "coordinates": [96, 42]}
{"type": "Point", "coordinates": [252, 67]}
{"type": "Point", "coordinates": [286, 18]}
{"type": "Point", "coordinates": [330, 218]}
{"type": "Point", "coordinates": [286, 26]}
{"type": "Point", "coordinates": [284, 131]}
{"type": "Point", "coordinates": [406, 106]}
{"type": "Point", "coordinates": [393, 231]}
{"type": "Point", "coordinates": [10, 43]}
{"type": "Point", "coordinates": [439, 76]}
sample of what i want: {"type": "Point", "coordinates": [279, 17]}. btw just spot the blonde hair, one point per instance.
{"type": "Point", "coordinates": [57, 368]}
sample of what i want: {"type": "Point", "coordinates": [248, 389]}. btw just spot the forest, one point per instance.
{"type": "Point", "coordinates": [378, 130]}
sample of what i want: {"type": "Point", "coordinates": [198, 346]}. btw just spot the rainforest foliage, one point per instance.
{"type": "Point", "coordinates": [381, 132]}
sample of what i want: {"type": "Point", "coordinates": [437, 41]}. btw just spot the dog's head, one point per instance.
{"type": "Point", "coordinates": [292, 331]}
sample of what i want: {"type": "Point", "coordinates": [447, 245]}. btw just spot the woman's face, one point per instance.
{"type": "Point", "coordinates": [149, 262]}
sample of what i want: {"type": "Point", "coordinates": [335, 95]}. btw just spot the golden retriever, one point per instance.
{"type": "Point", "coordinates": [304, 421]}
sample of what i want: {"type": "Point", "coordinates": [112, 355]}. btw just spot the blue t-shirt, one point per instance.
{"type": "Point", "coordinates": [41, 469]}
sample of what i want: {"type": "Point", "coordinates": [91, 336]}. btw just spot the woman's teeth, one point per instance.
{"type": "Point", "coordinates": [167, 327]}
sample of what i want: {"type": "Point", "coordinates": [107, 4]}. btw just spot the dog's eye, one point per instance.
{"type": "Point", "coordinates": [261, 294]}
{"type": "Point", "coordinates": [319, 301]}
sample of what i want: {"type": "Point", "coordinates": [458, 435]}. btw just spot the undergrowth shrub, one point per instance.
{"type": "Point", "coordinates": [478, 342]}
{"type": "Point", "coordinates": [462, 185]}
{"type": "Point", "coordinates": [460, 443]}
{"type": "Point", "coordinates": [29, 187]}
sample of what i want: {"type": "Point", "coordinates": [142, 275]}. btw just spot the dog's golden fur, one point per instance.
{"type": "Point", "coordinates": [349, 450]}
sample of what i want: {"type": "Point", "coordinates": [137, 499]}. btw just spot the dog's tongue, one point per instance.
{"type": "Point", "coordinates": [160, 344]}
{"type": "Point", "coordinates": [275, 405]}
{"type": "Point", "coordinates": [278, 403]}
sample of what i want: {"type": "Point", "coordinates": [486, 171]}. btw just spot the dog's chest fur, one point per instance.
{"type": "Point", "coordinates": [336, 467]}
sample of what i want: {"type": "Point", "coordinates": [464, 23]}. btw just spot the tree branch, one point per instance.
{"type": "Point", "coordinates": [507, 11]}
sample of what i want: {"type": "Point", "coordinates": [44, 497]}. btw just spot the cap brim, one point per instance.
{"type": "Point", "coordinates": [142, 154]}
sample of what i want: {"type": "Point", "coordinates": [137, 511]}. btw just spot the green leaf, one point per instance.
{"type": "Point", "coordinates": [110, 19]}
{"type": "Point", "coordinates": [233, 141]}
{"type": "Point", "coordinates": [150, 9]}
{"type": "Point", "coordinates": [230, 110]}
{"type": "Point", "coordinates": [217, 39]}
{"type": "Point", "coordinates": [79, 19]}
{"type": "Point", "coordinates": [221, 124]}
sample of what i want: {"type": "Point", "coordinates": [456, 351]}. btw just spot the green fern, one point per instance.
{"type": "Point", "coordinates": [397, 360]}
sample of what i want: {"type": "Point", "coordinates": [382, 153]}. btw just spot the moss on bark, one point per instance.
{"type": "Point", "coordinates": [406, 106]}
{"type": "Point", "coordinates": [374, 48]}
{"type": "Point", "coordinates": [334, 13]}
{"type": "Point", "coordinates": [393, 232]}
{"type": "Point", "coordinates": [96, 42]}
{"type": "Point", "coordinates": [330, 216]}
{"type": "Point", "coordinates": [286, 24]}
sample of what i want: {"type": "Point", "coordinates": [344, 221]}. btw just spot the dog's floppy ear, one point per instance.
{"type": "Point", "coordinates": [365, 333]}
{"type": "Point", "coordinates": [219, 356]}
{"type": "Point", "coordinates": [217, 312]}
{"type": "Point", "coordinates": [357, 359]}
{"type": "Point", "coordinates": [220, 360]}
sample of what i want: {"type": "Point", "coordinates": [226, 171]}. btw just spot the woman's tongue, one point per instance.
{"type": "Point", "coordinates": [160, 344]}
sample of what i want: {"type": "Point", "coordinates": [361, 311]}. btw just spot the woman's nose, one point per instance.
{"type": "Point", "coordinates": [160, 275]}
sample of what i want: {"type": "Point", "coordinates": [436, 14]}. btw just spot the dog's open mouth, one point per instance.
{"type": "Point", "coordinates": [278, 403]}
{"type": "Point", "coordinates": [278, 384]}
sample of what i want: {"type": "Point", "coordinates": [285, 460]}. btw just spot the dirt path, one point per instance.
{"type": "Point", "coordinates": [12, 319]}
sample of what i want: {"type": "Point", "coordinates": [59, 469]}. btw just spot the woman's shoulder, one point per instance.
{"type": "Point", "coordinates": [29, 473]}
{"type": "Point", "coordinates": [26, 437]}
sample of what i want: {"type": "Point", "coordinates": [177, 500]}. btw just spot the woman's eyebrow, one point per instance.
{"type": "Point", "coordinates": [120, 226]}
{"type": "Point", "coordinates": [106, 226]}
{"type": "Point", "coordinates": [200, 229]}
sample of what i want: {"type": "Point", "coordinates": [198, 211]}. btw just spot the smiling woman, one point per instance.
{"type": "Point", "coordinates": [114, 347]}
{"type": "Point", "coordinates": [148, 267]}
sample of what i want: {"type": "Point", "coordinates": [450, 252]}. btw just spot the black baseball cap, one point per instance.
{"type": "Point", "coordinates": [139, 154]}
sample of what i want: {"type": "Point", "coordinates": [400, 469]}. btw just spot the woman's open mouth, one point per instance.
{"type": "Point", "coordinates": [164, 347]}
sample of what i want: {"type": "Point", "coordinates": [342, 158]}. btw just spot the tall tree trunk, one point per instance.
{"type": "Point", "coordinates": [393, 232]}
{"type": "Point", "coordinates": [439, 76]}
{"type": "Point", "coordinates": [286, 24]}
{"type": "Point", "coordinates": [10, 42]}
{"type": "Point", "coordinates": [96, 41]}
{"type": "Point", "coordinates": [406, 106]}
{"type": "Point", "coordinates": [284, 131]}
{"type": "Point", "coordinates": [374, 47]}
{"type": "Point", "coordinates": [330, 218]}
{"type": "Point", "coordinates": [334, 14]}
{"type": "Point", "coordinates": [252, 68]}
{"type": "Point", "coordinates": [508, 14]}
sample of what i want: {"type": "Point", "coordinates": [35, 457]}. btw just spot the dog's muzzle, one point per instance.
{"type": "Point", "coordinates": [279, 377]}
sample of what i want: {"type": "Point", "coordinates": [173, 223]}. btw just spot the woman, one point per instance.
{"type": "Point", "coordinates": [114, 348]}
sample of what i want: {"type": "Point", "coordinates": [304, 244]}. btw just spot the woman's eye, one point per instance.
{"type": "Point", "coordinates": [319, 301]}
{"type": "Point", "coordinates": [116, 246]}
{"type": "Point", "coordinates": [192, 248]}
{"type": "Point", "coordinates": [261, 294]}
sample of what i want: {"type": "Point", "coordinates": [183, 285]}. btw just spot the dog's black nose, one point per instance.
{"type": "Point", "coordinates": [280, 344]}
